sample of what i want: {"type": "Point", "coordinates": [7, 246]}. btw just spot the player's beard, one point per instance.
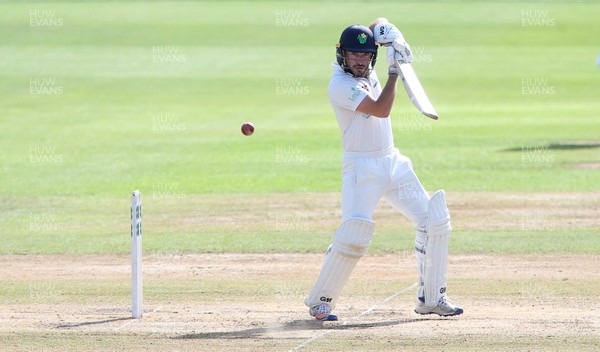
{"type": "Point", "coordinates": [360, 70]}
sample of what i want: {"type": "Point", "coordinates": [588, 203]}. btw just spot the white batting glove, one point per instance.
{"type": "Point", "coordinates": [386, 33]}
{"type": "Point", "coordinates": [394, 57]}
{"type": "Point", "coordinates": [394, 67]}
{"type": "Point", "coordinates": [403, 52]}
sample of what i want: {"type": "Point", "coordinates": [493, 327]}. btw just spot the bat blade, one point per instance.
{"type": "Point", "coordinates": [415, 91]}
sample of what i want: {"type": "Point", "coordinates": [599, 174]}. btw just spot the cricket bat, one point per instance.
{"type": "Point", "coordinates": [415, 91]}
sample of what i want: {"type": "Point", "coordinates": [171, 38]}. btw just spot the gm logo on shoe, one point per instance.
{"type": "Point", "coordinates": [443, 290]}
{"type": "Point", "coordinates": [325, 299]}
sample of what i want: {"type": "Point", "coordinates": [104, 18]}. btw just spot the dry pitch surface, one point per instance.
{"type": "Point", "coordinates": [253, 302]}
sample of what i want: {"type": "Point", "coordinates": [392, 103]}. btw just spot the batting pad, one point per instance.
{"type": "Point", "coordinates": [350, 243]}
{"type": "Point", "coordinates": [420, 250]}
{"type": "Point", "coordinates": [436, 255]}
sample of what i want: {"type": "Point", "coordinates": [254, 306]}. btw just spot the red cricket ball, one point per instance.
{"type": "Point", "coordinates": [247, 128]}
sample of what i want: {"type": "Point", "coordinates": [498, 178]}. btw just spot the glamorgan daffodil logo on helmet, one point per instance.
{"type": "Point", "coordinates": [362, 38]}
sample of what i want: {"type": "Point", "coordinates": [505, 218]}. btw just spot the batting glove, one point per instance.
{"type": "Point", "coordinates": [395, 58]}
{"type": "Point", "coordinates": [394, 65]}
{"type": "Point", "coordinates": [386, 33]}
{"type": "Point", "coordinates": [402, 51]}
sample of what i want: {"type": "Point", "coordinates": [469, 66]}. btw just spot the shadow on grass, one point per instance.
{"type": "Point", "coordinates": [98, 322]}
{"type": "Point", "coordinates": [556, 146]}
{"type": "Point", "coordinates": [296, 325]}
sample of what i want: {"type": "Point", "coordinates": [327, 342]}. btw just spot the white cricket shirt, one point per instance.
{"type": "Point", "coordinates": [360, 132]}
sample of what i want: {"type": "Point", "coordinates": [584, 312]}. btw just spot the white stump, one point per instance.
{"type": "Point", "coordinates": [137, 293]}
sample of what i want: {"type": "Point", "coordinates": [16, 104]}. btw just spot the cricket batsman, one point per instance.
{"type": "Point", "coordinates": [372, 168]}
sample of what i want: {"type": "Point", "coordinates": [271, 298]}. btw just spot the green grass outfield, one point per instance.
{"type": "Point", "coordinates": [98, 99]}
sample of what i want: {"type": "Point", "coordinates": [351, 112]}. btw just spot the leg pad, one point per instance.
{"type": "Point", "coordinates": [436, 253]}
{"type": "Point", "coordinates": [350, 243]}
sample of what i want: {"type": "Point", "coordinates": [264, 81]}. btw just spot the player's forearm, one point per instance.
{"type": "Point", "coordinates": [388, 94]}
{"type": "Point", "coordinates": [386, 99]}
{"type": "Point", "coordinates": [383, 105]}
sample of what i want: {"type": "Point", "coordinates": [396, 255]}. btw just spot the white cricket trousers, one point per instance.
{"type": "Point", "coordinates": [368, 177]}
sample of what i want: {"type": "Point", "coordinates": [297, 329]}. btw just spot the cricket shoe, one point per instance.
{"type": "Point", "coordinates": [444, 308]}
{"type": "Point", "coordinates": [321, 312]}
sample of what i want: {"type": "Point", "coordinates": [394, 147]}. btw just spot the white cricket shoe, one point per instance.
{"type": "Point", "coordinates": [444, 308]}
{"type": "Point", "coordinates": [321, 312]}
